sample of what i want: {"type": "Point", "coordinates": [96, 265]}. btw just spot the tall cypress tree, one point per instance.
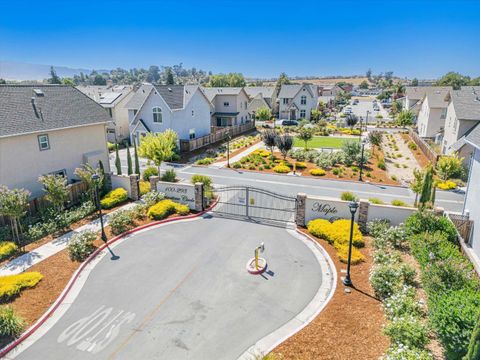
{"type": "Point", "coordinates": [103, 185]}
{"type": "Point", "coordinates": [129, 161]}
{"type": "Point", "coordinates": [135, 155]}
{"type": "Point", "coordinates": [118, 164]}
{"type": "Point", "coordinates": [426, 193]}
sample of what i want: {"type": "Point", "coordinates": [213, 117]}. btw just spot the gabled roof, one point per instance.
{"type": "Point", "coordinates": [418, 92]}
{"type": "Point", "coordinates": [211, 92]}
{"type": "Point", "coordinates": [436, 97]}
{"type": "Point", "coordinates": [34, 108]}
{"type": "Point", "coordinates": [466, 102]}
{"type": "Point", "coordinates": [290, 91]}
{"type": "Point", "coordinates": [266, 91]}
{"type": "Point", "coordinates": [107, 96]}
{"type": "Point", "coordinates": [473, 138]}
{"type": "Point", "coordinates": [139, 97]}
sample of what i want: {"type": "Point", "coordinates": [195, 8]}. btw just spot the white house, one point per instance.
{"type": "Point", "coordinates": [463, 114]}
{"type": "Point", "coordinates": [230, 105]}
{"type": "Point", "coordinates": [297, 101]}
{"type": "Point", "coordinates": [415, 94]}
{"type": "Point", "coordinates": [260, 96]}
{"type": "Point", "coordinates": [48, 129]}
{"type": "Point", "coordinates": [156, 108]}
{"type": "Point", "coordinates": [113, 99]}
{"type": "Point", "coordinates": [433, 112]}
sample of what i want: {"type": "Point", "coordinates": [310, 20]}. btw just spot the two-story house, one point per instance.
{"type": "Point", "coordinates": [463, 115]}
{"type": "Point", "coordinates": [260, 96]}
{"type": "Point", "coordinates": [230, 105]}
{"type": "Point", "coordinates": [48, 129]}
{"type": "Point", "coordinates": [432, 114]}
{"type": "Point", "coordinates": [414, 95]}
{"type": "Point", "coordinates": [155, 108]}
{"type": "Point", "coordinates": [297, 101]}
{"type": "Point", "coordinates": [113, 99]}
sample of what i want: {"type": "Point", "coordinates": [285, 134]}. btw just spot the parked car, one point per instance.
{"type": "Point", "coordinates": [289, 123]}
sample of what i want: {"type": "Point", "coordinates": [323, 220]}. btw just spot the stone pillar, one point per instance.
{"type": "Point", "coordinates": [108, 181]}
{"type": "Point", "coordinates": [301, 208]}
{"type": "Point", "coordinates": [199, 196]}
{"type": "Point", "coordinates": [153, 182]}
{"type": "Point", "coordinates": [134, 187]}
{"type": "Point", "coordinates": [363, 215]}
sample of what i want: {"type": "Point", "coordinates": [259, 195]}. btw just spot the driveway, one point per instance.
{"type": "Point", "coordinates": [181, 291]}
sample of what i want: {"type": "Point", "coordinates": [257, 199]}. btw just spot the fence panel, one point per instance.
{"type": "Point", "coordinates": [426, 149]}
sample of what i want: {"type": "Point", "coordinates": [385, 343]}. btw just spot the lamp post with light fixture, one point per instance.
{"type": "Point", "coordinates": [353, 206]}
{"type": "Point", "coordinates": [96, 180]}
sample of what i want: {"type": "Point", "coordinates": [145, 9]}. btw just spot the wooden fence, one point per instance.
{"type": "Point", "coordinates": [76, 190]}
{"type": "Point", "coordinates": [463, 224]}
{"type": "Point", "coordinates": [217, 134]}
{"type": "Point", "coordinates": [426, 149]}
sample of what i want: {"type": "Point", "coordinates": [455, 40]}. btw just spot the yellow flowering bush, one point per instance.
{"type": "Point", "coordinates": [342, 253]}
{"type": "Point", "coordinates": [447, 185]}
{"type": "Point", "coordinates": [282, 169]}
{"type": "Point", "coordinates": [12, 285]}
{"type": "Point", "coordinates": [340, 233]}
{"type": "Point", "coordinates": [165, 208]}
{"type": "Point", "coordinates": [319, 228]}
{"type": "Point", "coordinates": [300, 165]}
{"type": "Point", "coordinates": [144, 187]}
{"type": "Point", "coordinates": [317, 172]}
{"type": "Point", "coordinates": [114, 197]}
{"type": "Point", "coordinates": [262, 152]}
{"type": "Point", "coordinates": [7, 248]}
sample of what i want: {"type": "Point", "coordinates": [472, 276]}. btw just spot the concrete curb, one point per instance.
{"type": "Point", "coordinates": [310, 312]}
{"type": "Point", "coordinates": [84, 269]}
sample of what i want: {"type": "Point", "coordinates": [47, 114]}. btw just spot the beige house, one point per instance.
{"type": "Point", "coordinates": [432, 114]}
{"type": "Point", "coordinates": [113, 99]}
{"type": "Point", "coordinates": [48, 129]}
{"type": "Point", "coordinates": [414, 96]}
{"type": "Point", "coordinates": [260, 97]}
{"type": "Point", "coordinates": [230, 105]}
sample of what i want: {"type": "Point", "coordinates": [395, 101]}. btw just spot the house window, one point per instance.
{"type": "Point", "coordinates": [193, 113]}
{"type": "Point", "coordinates": [302, 114]}
{"type": "Point", "coordinates": [62, 173]}
{"type": "Point", "coordinates": [303, 100]}
{"type": "Point", "coordinates": [444, 114]}
{"type": "Point", "coordinates": [43, 142]}
{"type": "Point", "coordinates": [226, 104]}
{"type": "Point", "coordinates": [241, 105]}
{"type": "Point", "coordinates": [285, 101]}
{"type": "Point", "coordinates": [157, 115]}
{"type": "Point", "coordinates": [191, 134]}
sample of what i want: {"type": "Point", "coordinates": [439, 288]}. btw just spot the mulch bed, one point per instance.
{"type": "Point", "coordinates": [418, 154]}
{"type": "Point", "coordinates": [350, 326]}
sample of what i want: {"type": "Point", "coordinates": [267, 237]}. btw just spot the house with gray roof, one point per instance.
{"type": "Point", "coordinates": [414, 96]}
{"type": "Point", "coordinates": [433, 112]}
{"type": "Point", "coordinates": [230, 106]}
{"type": "Point", "coordinates": [113, 100]}
{"type": "Point", "coordinates": [182, 108]}
{"type": "Point", "coordinates": [48, 129]}
{"type": "Point", "coordinates": [260, 97]}
{"type": "Point", "coordinates": [463, 115]}
{"type": "Point", "coordinates": [297, 101]}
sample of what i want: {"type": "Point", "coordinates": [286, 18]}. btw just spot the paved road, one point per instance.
{"type": "Point", "coordinates": [182, 292]}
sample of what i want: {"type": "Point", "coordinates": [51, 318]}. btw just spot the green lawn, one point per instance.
{"type": "Point", "coordinates": [321, 142]}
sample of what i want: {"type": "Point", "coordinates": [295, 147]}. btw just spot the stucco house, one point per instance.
{"type": "Point", "coordinates": [155, 108]}
{"type": "Point", "coordinates": [433, 112]}
{"type": "Point", "coordinates": [297, 101]}
{"type": "Point", "coordinates": [463, 115]}
{"type": "Point", "coordinates": [415, 94]}
{"type": "Point", "coordinates": [113, 99]}
{"type": "Point", "coordinates": [48, 129]}
{"type": "Point", "coordinates": [230, 105]}
{"type": "Point", "coordinates": [260, 96]}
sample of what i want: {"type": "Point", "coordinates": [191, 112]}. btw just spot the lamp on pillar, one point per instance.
{"type": "Point", "coordinates": [353, 206]}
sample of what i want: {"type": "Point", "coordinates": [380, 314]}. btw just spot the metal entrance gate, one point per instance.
{"type": "Point", "coordinates": [255, 203]}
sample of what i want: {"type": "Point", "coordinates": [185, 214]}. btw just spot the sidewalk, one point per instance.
{"type": "Point", "coordinates": [238, 156]}
{"type": "Point", "coordinates": [25, 261]}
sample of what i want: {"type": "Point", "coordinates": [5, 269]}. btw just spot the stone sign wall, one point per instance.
{"type": "Point", "coordinates": [182, 193]}
{"type": "Point", "coordinates": [326, 208]}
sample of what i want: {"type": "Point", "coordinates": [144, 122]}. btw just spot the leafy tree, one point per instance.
{"type": "Point", "coordinates": [14, 205]}
{"type": "Point", "coordinates": [453, 79]}
{"type": "Point", "coordinates": [135, 155]}
{"type": "Point", "coordinates": [414, 82]}
{"type": "Point", "coordinates": [396, 108]}
{"type": "Point", "coordinates": [316, 114]}
{"type": "Point", "coordinates": [2, 81]}
{"type": "Point", "coordinates": [427, 186]}
{"type": "Point", "coordinates": [158, 147]}
{"type": "Point", "coordinates": [153, 74]}
{"type": "Point", "coordinates": [85, 174]}
{"type": "Point", "coordinates": [351, 120]}
{"type": "Point", "coordinates": [56, 190]}
{"type": "Point", "coordinates": [417, 184]}
{"type": "Point", "coordinates": [405, 118]}
{"type": "Point", "coordinates": [283, 80]}
{"type": "Point", "coordinates": [118, 164]}
{"type": "Point", "coordinates": [473, 352]}
{"type": "Point", "coordinates": [129, 162]}
{"type": "Point", "coordinates": [473, 82]}
{"type": "Point", "coordinates": [351, 150]}
{"type": "Point", "coordinates": [369, 74]}
{"type": "Point", "coordinates": [227, 80]}
{"type": "Point", "coordinates": [54, 78]}
{"type": "Point", "coordinates": [363, 85]}
{"type": "Point", "coordinates": [263, 113]}
{"type": "Point", "coordinates": [375, 138]}
{"type": "Point", "coordinates": [305, 134]}
{"type": "Point", "coordinates": [99, 80]}
{"type": "Point", "coordinates": [103, 184]}
{"type": "Point", "coordinates": [284, 143]}
{"type": "Point", "coordinates": [68, 81]}
{"type": "Point", "coordinates": [449, 167]}
{"type": "Point", "coordinates": [268, 138]}
{"type": "Point", "coordinates": [398, 90]}
{"type": "Point", "coordinates": [169, 75]}
{"type": "Point", "coordinates": [384, 95]}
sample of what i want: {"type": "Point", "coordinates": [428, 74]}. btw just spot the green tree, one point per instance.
{"type": "Point", "coordinates": [363, 85]}
{"type": "Point", "coordinates": [118, 164]}
{"type": "Point", "coordinates": [398, 90]}
{"type": "Point", "coordinates": [427, 186]}
{"type": "Point", "coordinates": [405, 118]}
{"type": "Point", "coordinates": [396, 108]}
{"type": "Point", "coordinates": [417, 183]}
{"type": "Point", "coordinates": [129, 162]}
{"type": "Point", "coordinates": [305, 134]}
{"type": "Point", "coordinates": [153, 74]}
{"type": "Point", "coordinates": [54, 78]}
{"type": "Point", "coordinates": [55, 187]}
{"type": "Point", "coordinates": [284, 143]}
{"type": "Point", "coordinates": [375, 138]}
{"type": "Point", "coordinates": [473, 352]}
{"type": "Point", "coordinates": [263, 113]}
{"type": "Point", "coordinates": [351, 120]}
{"type": "Point", "coordinates": [453, 79]}
{"type": "Point", "coordinates": [14, 205]}
{"type": "Point", "coordinates": [351, 150]}
{"type": "Point", "coordinates": [449, 167]}
{"type": "Point", "coordinates": [99, 80]}
{"type": "Point", "coordinates": [68, 81]}
{"type": "Point", "coordinates": [414, 82]}
{"type": "Point", "coordinates": [269, 137]}
{"type": "Point", "coordinates": [103, 184]}
{"type": "Point", "coordinates": [2, 81]}
{"type": "Point", "coordinates": [158, 147]}
{"type": "Point", "coordinates": [85, 173]}
{"type": "Point", "coordinates": [227, 80]}
{"type": "Point", "coordinates": [283, 80]}
{"type": "Point", "coordinates": [369, 74]}
{"type": "Point", "coordinates": [316, 114]}
{"type": "Point", "coordinates": [169, 76]}
{"type": "Point", "coordinates": [473, 82]}
{"type": "Point", "coordinates": [135, 155]}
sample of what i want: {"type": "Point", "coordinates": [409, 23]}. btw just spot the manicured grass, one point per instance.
{"type": "Point", "coordinates": [321, 142]}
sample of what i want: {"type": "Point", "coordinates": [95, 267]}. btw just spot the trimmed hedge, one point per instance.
{"type": "Point", "coordinates": [317, 172]}
{"type": "Point", "coordinates": [114, 198]}
{"type": "Point", "coordinates": [281, 169]}
{"type": "Point", "coordinates": [12, 285]}
{"type": "Point", "coordinates": [165, 208]}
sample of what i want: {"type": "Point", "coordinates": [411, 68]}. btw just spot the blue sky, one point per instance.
{"type": "Point", "coordinates": [257, 38]}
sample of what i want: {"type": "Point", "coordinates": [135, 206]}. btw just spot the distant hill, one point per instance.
{"type": "Point", "coordinates": [10, 70]}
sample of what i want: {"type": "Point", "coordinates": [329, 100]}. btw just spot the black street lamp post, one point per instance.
{"type": "Point", "coordinates": [353, 206]}
{"type": "Point", "coordinates": [228, 149]}
{"type": "Point", "coordinates": [362, 160]}
{"type": "Point", "coordinates": [96, 180]}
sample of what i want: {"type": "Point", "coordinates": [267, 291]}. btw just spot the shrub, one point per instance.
{"type": "Point", "coordinates": [403, 303]}
{"type": "Point", "coordinates": [12, 285]}
{"type": "Point", "coordinates": [81, 245]}
{"type": "Point", "coordinates": [113, 198]}
{"type": "Point", "coordinates": [381, 164]}
{"type": "Point", "coordinates": [152, 197]}
{"type": "Point", "coordinates": [138, 211]}
{"type": "Point", "coordinates": [376, 201]}
{"type": "Point", "coordinates": [121, 221]}
{"type": "Point", "coordinates": [144, 187]}
{"type": "Point", "coordinates": [348, 196]}
{"type": "Point", "coordinates": [337, 233]}
{"type": "Point", "coordinates": [237, 165]}
{"type": "Point", "coordinates": [11, 325]}
{"type": "Point", "coordinates": [317, 172]}
{"type": "Point", "coordinates": [394, 178]}
{"type": "Point", "coordinates": [396, 202]}
{"type": "Point", "coordinates": [110, 146]}
{"type": "Point", "coordinates": [206, 180]}
{"type": "Point", "coordinates": [336, 171]}
{"type": "Point", "coordinates": [377, 227]}
{"type": "Point", "coordinates": [407, 331]}
{"type": "Point", "coordinates": [7, 248]}
{"type": "Point", "coordinates": [427, 221]}
{"type": "Point", "coordinates": [149, 172]}
{"type": "Point", "coordinates": [169, 176]}
{"type": "Point", "coordinates": [447, 185]}
{"type": "Point", "coordinates": [205, 161]}
{"type": "Point", "coordinates": [300, 165]}
{"type": "Point", "coordinates": [412, 146]}
{"type": "Point", "coordinates": [386, 280]}
{"type": "Point", "coordinates": [165, 208]}
{"type": "Point", "coordinates": [342, 253]}
{"type": "Point", "coordinates": [319, 228]}
{"type": "Point", "coordinates": [282, 169]}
